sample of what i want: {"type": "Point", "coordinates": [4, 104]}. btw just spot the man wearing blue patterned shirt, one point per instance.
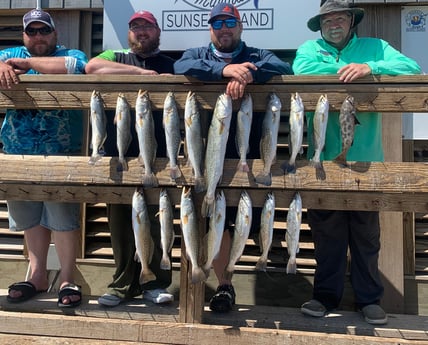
{"type": "Point", "coordinates": [43, 132]}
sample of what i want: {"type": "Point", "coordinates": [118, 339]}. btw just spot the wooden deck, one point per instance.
{"type": "Point", "coordinates": [140, 321]}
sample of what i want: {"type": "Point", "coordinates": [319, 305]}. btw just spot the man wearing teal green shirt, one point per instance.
{"type": "Point", "coordinates": [341, 52]}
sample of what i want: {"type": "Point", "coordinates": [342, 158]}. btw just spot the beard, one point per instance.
{"type": "Point", "coordinates": [145, 47]}
{"type": "Point", "coordinates": [42, 48]}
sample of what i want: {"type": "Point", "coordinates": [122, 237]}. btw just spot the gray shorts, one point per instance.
{"type": "Point", "coordinates": [56, 216]}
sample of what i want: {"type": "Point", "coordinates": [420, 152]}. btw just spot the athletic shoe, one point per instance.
{"type": "Point", "coordinates": [158, 296]}
{"type": "Point", "coordinates": [109, 300]}
{"type": "Point", "coordinates": [313, 308]}
{"type": "Point", "coordinates": [224, 299]}
{"type": "Point", "coordinates": [374, 314]}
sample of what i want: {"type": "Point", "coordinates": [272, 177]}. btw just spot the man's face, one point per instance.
{"type": "Point", "coordinates": [226, 39]}
{"type": "Point", "coordinates": [143, 37]}
{"type": "Point", "coordinates": [40, 39]}
{"type": "Point", "coordinates": [335, 28]}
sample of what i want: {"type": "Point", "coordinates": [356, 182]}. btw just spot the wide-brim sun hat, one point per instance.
{"type": "Point", "coordinates": [332, 6]}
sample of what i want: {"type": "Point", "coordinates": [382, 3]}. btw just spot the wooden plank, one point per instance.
{"type": "Point", "coordinates": [393, 94]}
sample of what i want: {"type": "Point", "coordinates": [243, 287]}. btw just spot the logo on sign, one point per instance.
{"type": "Point", "coordinates": [415, 21]}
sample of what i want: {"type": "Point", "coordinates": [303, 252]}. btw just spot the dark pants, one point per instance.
{"type": "Point", "coordinates": [333, 232]}
{"type": "Point", "coordinates": [125, 280]}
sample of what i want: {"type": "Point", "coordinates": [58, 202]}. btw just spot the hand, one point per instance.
{"type": "Point", "coordinates": [7, 76]}
{"type": "Point", "coordinates": [241, 72]}
{"type": "Point", "coordinates": [20, 65]}
{"type": "Point", "coordinates": [148, 72]}
{"type": "Point", "coordinates": [235, 89]}
{"type": "Point", "coordinates": [353, 71]}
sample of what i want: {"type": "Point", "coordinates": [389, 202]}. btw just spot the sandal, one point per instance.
{"type": "Point", "coordinates": [27, 289]}
{"type": "Point", "coordinates": [67, 291]}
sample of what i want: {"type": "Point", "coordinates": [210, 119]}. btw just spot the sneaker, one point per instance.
{"type": "Point", "coordinates": [158, 296]}
{"type": "Point", "coordinates": [374, 314]}
{"type": "Point", "coordinates": [224, 299]}
{"type": "Point", "coordinates": [109, 300]}
{"type": "Point", "coordinates": [313, 308]}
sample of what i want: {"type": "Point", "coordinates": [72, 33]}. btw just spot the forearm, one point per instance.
{"type": "Point", "coordinates": [48, 65]}
{"type": "Point", "coordinates": [101, 66]}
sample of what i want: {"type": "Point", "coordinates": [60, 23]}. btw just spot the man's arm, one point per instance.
{"type": "Point", "coordinates": [101, 66]}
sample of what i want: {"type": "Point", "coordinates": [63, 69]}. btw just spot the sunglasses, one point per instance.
{"type": "Point", "coordinates": [230, 23]}
{"type": "Point", "coordinates": [44, 31]}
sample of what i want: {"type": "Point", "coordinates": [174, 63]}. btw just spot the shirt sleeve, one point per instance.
{"type": "Point", "coordinates": [195, 63]}
{"type": "Point", "coordinates": [393, 62]}
{"type": "Point", "coordinates": [268, 66]}
{"type": "Point", "coordinates": [107, 55]}
{"type": "Point", "coordinates": [307, 60]}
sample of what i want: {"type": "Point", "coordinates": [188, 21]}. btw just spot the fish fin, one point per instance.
{"type": "Point", "coordinates": [175, 172]}
{"type": "Point", "coordinates": [95, 158]}
{"type": "Point", "coordinates": [291, 266]}
{"type": "Point", "coordinates": [288, 167]}
{"type": "Point", "coordinates": [243, 167]}
{"type": "Point", "coordinates": [356, 122]}
{"type": "Point", "coordinates": [319, 171]}
{"type": "Point", "coordinates": [147, 276]}
{"type": "Point", "coordinates": [265, 179]}
{"type": "Point", "coordinates": [165, 263]}
{"type": "Point", "coordinates": [136, 257]}
{"type": "Point", "coordinates": [207, 207]}
{"type": "Point", "coordinates": [122, 165]}
{"type": "Point", "coordinates": [207, 269]}
{"type": "Point", "coordinates": [200, 185]}
{"type": "Point", "coordinates": [150, 180]}
{"type": "Point", "coordinates": [261, 264]}
{"type": "Point", "coordinates": [198, 275]}
{"type": "Point", "coordinates": [341, 159]}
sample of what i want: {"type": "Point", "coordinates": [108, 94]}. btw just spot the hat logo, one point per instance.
{"type": "Point", "coordinates": [36, 13]}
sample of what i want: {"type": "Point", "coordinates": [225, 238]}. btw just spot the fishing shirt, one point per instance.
{"type": "Point", "coordinates": [38, 131]}
{"type": "Point", "coordinates": [159, 62]}
{"type": "Point", "coordinates": [203, 64]}
{"type": "Point", "coordinates": [317, 57]}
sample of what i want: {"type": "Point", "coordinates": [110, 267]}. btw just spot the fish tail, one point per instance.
{"type": "Point", "coordinates": [207, 206]}
{"type": "Point", "coordinates": [200, 185]}
{"type": "Point", "coordinates": [341, 159]}
{"type": "Point", "coordinates": [265, 179]}
{"type": "Point", "coordinates": [243, 166]}
{"type": "Point", "coordinates": [165, 263]}
{"type": "Point", "coordinates": [198, 275]}
{"type": "Point", "coordinates": [206, 268]}
{"type": "Point", "coordinates": [146, 276]}
{"type": "Point", "coordinates": [261, 264]}
{"type": "Point", "coordinates": [150, 180]}
{"type": "Point", "coordinates": [319, 171]}
{"type": "Point", "coordinates": [291, 266]}
{"type": "Point", "coordinates": [122, 165]}
{"type": "Point", "coordinates": [95, 158]}
{"type": "Point", "coordinates": [175, 172]}
{"type": "Point", "coordinates": [289, 167]}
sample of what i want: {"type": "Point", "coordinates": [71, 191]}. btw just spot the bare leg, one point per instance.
{"type": "Point", "coordinates": [220, 263]}
{"type": "Point", "coordinates": [37, 240]}
{"type": "Point", "coordinates": [66, 247]}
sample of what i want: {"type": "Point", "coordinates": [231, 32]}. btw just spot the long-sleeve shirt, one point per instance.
{"type": "Point", "coordinates": [203, 64]}
{"type": "Point", "coordinates": [38, 131]}
{"type": "Point", "coordinates": [317, 57]}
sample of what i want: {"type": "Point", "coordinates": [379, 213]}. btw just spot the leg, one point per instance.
{"type": "Point", "coordinates": [365, 246]}
{"type": "Point", "coordinates": [330, 235]}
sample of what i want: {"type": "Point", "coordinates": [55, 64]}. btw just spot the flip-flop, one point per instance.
{"type": "Point", "coordinates": [27, 289]}
{"type": "Point", "coordinates": [69, 290]}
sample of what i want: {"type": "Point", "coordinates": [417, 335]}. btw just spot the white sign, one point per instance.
{"type": "Point", "coordinates": [268, 24]}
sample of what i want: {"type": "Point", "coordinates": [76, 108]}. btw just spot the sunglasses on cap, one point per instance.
{"type": "Point", "coordinates": [44, 31]}
{"type": "Point", "coordinates": [230, 23]}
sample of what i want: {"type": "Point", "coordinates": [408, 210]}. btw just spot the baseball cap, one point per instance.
{"type": "Point", "coordinates": [224, 9]}
{"type": "Point", "coordinates": [38, 15]}
{"type": "Point", "coordinates": [146, 15]}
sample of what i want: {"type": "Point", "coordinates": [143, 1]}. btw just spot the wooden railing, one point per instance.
{"type": "Point", "coordinates": [390, 186]}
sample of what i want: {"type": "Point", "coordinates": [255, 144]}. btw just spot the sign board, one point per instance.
{"type": "Point", "coordinates": [414, 35]}
{"type": "Point", "coordinates": [268, 24]}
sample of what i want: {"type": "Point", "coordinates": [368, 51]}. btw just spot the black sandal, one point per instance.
{"type": "Point", "coordinates": [69, 290]}
{"type": "Point", "coordinates": [224, 299]}
{"type": "Point", "coordinates": [27, 289]}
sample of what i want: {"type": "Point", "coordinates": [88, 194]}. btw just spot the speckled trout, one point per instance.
{"type": "Point", "coordinates": [269, 140]}
{"type": "Point", "coordinates": [266, 231]}
{"type": "Point", "coordinates": [171, 125]}
{"type": "Point", "coordinates": [320, 121]}
{"type": "Point", "coordinates": [190, 231]}
{"type": "Point", "coordinates": [166, 220]}
{"type": "Point", "coordinates": [122, 119]}
{"type": "Point", "coordinates": [98, 121]}
{"type": "Point", "coordinates": [348, 121]}
{"type": "Point", "coordinates": [193, 140]}
{"type": "Point", "coordinates": [145, 128]}
{"type": "Point", "coordinates": [218, 134]}
{"type": "Point", "coordinates": [292, 236]}
{"type": "Point", "coordinates": [143, 239]}
{"type": "Point", "coordinates": [243, 221]}
{"type": "Point", "coordinates": [215, 231]}
{"type": "Point", "coordinates": [243, 128]}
